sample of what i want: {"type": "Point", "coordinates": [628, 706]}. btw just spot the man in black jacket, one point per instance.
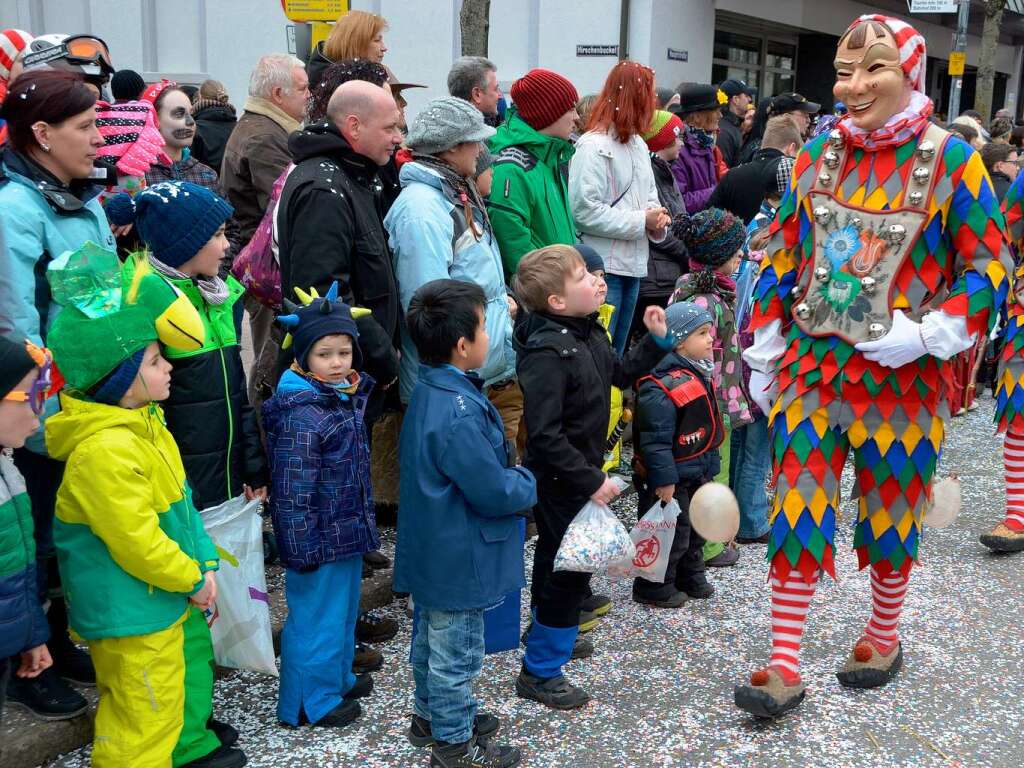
{"type": "Point", "coordinates": [1001, 163]}
{"type": "Point", "coordinates": [330, 219]}
{"type": "Point", "coordinates": [742, 189]}
{"type": "Point", "coordinates": [730, 135]}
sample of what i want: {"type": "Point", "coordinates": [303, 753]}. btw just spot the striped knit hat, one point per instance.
{"type": "Point", "coordinates": [12, 42]}
{"type": "Point", "coordinates": [712, 236]}
{"type": "Point", "coordinates": [665, 128]}
{"type": "Point", "coordinates": [910, 43]}
{"type": "Point", "coordinates": [542, 96]}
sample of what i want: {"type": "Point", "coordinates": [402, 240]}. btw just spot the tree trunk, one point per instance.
{"type": "Point", "coordinates": [987, 58]}
{"type": "Point", "coordinates": [474, 19]}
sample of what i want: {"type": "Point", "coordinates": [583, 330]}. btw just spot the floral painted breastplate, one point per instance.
{"type": "Point", "coordinates": [846, 288]}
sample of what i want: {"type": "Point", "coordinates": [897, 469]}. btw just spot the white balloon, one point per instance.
{"type": "Point", "coordinates": [945, 503]}
{"type": "Point", "coordinates": [714, 512]}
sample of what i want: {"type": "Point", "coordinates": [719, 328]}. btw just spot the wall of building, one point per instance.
{"type": "Point", "coordinates": [192, 39]}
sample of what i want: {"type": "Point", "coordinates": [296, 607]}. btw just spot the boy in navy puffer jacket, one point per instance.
{"type": "Point", "coordinates": [321, 504]}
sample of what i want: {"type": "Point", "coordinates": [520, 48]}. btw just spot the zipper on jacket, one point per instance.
{"type": "Point", "coordinates": [227, 398]}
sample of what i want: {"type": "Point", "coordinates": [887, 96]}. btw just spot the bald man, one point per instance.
{"type": "Point", "coordinates": [330, 220]}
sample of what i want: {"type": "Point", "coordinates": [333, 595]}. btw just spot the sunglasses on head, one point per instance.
{"type": "Point", "coordinates": [40, 390]}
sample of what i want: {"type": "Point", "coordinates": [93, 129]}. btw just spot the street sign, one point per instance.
{"type": "Point", "coordinates": [597, 50]}
{"type": "Point", "coordinates": [674, 54]}
{"type": "Point", "coordinates": [314, 10]}
{"type": "Point", "coordinates": [932, 6]}
{"type": "Point", "coordinates": [957, 59]}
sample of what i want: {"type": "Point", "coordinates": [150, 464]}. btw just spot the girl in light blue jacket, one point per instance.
{"type": "Point", "coordinates": [438, 228]}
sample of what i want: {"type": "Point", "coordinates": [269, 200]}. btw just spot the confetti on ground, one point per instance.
{"type": "Point", "coordinates": [661, 681]}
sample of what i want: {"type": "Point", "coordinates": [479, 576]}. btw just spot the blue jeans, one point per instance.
{"type": "Point", "coordinates": [447, 654]}
{"type": "Point", "coordinates": [622, 294]}
{"type": "Point", "coordinates": [750, 464]}
{"type": "Point", "coordinates": [318, 639]}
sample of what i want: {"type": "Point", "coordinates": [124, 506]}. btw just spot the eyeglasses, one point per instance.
{"type": "Point", "coordinates": [36, 396]}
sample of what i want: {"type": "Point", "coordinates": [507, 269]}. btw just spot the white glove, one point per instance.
{"type": "Point", "coordinates": [906, 340]}
{"type": "Point", "coordinates": [764, 389]}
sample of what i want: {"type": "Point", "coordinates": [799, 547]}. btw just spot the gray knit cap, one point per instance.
{"type": "Point", "coordinates": [685, 317]}
{"type": "Point", "coordinates": [444, 123]}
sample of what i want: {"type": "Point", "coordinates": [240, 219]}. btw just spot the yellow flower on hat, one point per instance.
{"type": "Point", "coordinates": [722, 98]}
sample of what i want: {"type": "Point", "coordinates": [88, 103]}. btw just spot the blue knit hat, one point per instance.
{"type": "Point", "coordinates": [321, 317]}
{"type": "Point", "coordinates": [711, 236]}
{"type": "Point", "coordinates": [174, 218]}
{"type": "Point", "coordinates": [590, 256]}
{"type": "Point", "coordinates": [683, 318]}
{"type": "Point", "coordinates": [112, 388]}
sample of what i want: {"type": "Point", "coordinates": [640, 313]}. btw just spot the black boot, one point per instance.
{"type": "Point", "coordinates": [362, 688]}
{"type": "Point", "coordinates": [696, 585]}
{"type": "Point", "coordinates": [46, 696]}
{"type": "Point", "coordinates": [377, 560]}
{"type": "Point", "coordinates": [473, 754]}
{"type": "Point", "coordinates": [371, 628]}
{"type": "Point", "coordinates": [554, 692]}
{"type": "Point", "coordinates": [221, 757]}
{"type": "Point", "coordinates": [226, 734]}
{"type": "Point", "coordinates": [367, 659]}
{"type": "Point", "coordinates": [340, 716]}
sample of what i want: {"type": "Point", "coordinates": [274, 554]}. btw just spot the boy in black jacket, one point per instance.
{"type": "Point", "coordinates": [679, 429]}
{"type": "Point", "coordinates": [566, 369]}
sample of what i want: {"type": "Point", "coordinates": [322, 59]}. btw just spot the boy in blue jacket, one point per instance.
{"type": "Point", "coordinates": [459, 549]}
{"type": "Point", "coordinates": [678, 428]}
{"type": "Point", "coordinates": [321, 504]}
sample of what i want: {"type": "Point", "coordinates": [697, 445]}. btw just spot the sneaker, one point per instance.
{"type": "Point", "coordinates": [727, 557]}
{"type": "Point", "coordinates": [362, 688]}
{"type": "Point", "coordinates": [473, 754]}
{"type": "Point", "coordinates": [555, 692]}
{"type": "Point", "coordinates": [675, 600]}
{"type": "Point", "coordinates": [367, 659]}
{"type": "Point", "coordinates": [419, 734]}
{"type": "Point", "coordinates": [697, 586]}
{"type": "Point", "coordinates": [46, 696]}
{"type": "Point", "coordinates": [599, 605]}
{"type": "Point", "coordinates": [375, 629]}
{"type": "Point", "coordinates": [377, 560]}
{"type": "Point", "coordinates": [74, 665]}
{"type": "Point", "coordinates": [581, 649]}
{"type": "Point", "coordinates": [226, 734]}
{"type": "Point", "coordinates": [221, 757]}
{"type": "Point", "coordinates": [588, 621]}
{"type": "Point", "coordinates": [340, 716]}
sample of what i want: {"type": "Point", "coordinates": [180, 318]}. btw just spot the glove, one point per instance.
{"type": "Point", "coordinates": [764, 389]}
{"type": "Point", "coordinates": [901, 345]}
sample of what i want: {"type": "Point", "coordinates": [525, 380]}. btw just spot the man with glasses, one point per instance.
{"type": "Point", "coordinates": [1002, 162]}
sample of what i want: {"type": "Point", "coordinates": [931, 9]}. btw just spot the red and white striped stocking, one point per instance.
{"type": "Point", "coordinates": [887, 594]}
{"type": "Point", "coordinates": [1013, 464]}
{"type": "Point", "coordinates": [790, 601]}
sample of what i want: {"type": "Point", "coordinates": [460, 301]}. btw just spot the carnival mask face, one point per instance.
{"type": "Point", "coordinates": [176, 123]}
{"type": "Point", "coordinates": [869, 79]}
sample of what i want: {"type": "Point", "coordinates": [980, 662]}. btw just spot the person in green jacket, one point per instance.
{"type": "Point", "coordinates": [135, 560]}
{"type": "Point", "coordinates": [529, 203]}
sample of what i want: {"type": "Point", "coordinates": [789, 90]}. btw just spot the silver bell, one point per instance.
{"type": "Point", "coordinates": [895, 233]}
{"type": "Point", "coordinates": [921, 175]}
{"type": "Point", "coordinates": [835, 138]}
{"type": "Point", "coordinates": [821, 274]}
{"type": "Point", "coordinates": [868, 284]}
{"type": "Point", "coordinates": [803, 311]}
{"type": "Point", "coordinates": [831, 159]}
{"type": "Point", "coordinates": [822, 214]}
{"type": "Point", "coordinates": [795, 291]}
{"type": "Point", "coordinates": [857, 222]}
{"type": "Point", "coordinates": [926, 150]}
{"type": "Point", "coordinates": [824, 178]}
{"type": "Point", "coordinates": [915, 198]}
{"type": "Point", "coordinates": [876, 331]}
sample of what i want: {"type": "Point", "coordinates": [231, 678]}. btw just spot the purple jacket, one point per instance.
{"type": "Point", "coordinates": [696, 173]}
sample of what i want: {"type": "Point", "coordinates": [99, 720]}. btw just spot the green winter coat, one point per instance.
{"type": "Point", "coordinates": [529, 203]}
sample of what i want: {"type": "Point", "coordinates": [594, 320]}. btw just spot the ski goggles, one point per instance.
{"type": "Point", "coordinates": [40, 390]}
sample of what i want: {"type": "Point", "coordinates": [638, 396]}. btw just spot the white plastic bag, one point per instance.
{"type": "Point", "coordinates": [594, 539]}
{"type": "Point", "coordinates": [652, 536]}
{"type": "Point", "coordinates": [240, 619]}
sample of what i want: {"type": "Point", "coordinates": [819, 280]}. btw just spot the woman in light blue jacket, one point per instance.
{"type": "Point", "coordinates": [438, 228]}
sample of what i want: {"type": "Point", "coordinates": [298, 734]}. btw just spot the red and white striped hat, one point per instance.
{"type": "Point", "coordinates": [910, 43]}
{"type": "Point", "coordinates": [12, 42]}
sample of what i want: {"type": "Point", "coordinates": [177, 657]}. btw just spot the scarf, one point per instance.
{"type": "Point", "coordinates": [702, 137]}
{"type": "Point", "coordinates": [705, 279]}
{"type": "Point", "coordinates": [259, 106]}
{"type": "Point", "coordinates": [213, 289]}
{"type": "Point", "coordinates": [463, 187]}
{"type": "Point", "coordinates": [706, 367]}
{"type": "Point", "coordinates": [899, 129]}
{"type": "Point", "coordinates": [344, 389]}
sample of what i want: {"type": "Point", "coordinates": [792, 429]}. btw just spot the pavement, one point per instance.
{"type": "Point", "coordinates": [662, 681]}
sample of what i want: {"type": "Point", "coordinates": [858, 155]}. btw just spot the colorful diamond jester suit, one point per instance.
{"type": "Point", "coordinates": [1008, 536]}
{"type": "Point", "coordinates": [831, 398]}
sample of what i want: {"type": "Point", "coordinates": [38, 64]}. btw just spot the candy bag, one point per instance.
{"type": "Point", "coordinates": [652, 536]}
{"type": "Point", "coordinates": [595, 538]}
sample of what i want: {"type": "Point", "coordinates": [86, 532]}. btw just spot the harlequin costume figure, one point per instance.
{"type": "Point", "coordinates": [1008, 535]}
{"type": "Point", "coordinates": [887, 258]}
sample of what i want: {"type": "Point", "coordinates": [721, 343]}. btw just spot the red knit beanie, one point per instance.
{"type": "Point", "coordinates": [665, 127]}
{"type": "Point", "coordinates": [542, 96]}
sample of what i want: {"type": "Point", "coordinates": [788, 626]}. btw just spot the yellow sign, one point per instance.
{"type": "Point", "coordinates": [315, 10]}
{"type": "Point", "coordinates": [957, 59]}
{"type": "Point", "coordinates": [321, 29]}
